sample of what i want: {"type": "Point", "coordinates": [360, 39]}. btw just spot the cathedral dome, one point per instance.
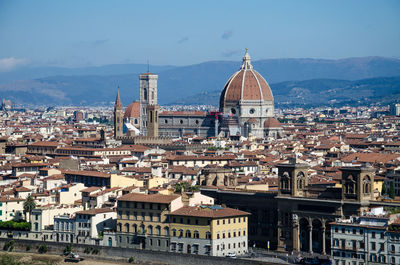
{"type": "Point", "coordinates": [133, 110]}
{"type": "Point", "coordinates": [246, 84]}
{"type": "Point", "coordinates": [271, 122]}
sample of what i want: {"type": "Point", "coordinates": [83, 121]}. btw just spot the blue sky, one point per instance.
{"type": "Point", "coordinates": [84, 33]}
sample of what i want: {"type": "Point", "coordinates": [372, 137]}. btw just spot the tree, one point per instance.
{"type": "Point", "coordinates": [29, 205]}
{"type": "Point", "coordinates": [384, 189]}
{"type": "Point", "coordinates": [391, 190]}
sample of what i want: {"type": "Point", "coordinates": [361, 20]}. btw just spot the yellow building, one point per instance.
{"type": "Point", "coordinates": [209, 230]}
{"type": "Point", "coordinates": [142, 220]}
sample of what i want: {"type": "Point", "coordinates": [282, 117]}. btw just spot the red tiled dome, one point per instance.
{"type": "Point", "coordinates": [272, 123]}
{"type": "Point", "coordinates": [133, 110]}
{"type": "Point", "coordinates": [246, 84]}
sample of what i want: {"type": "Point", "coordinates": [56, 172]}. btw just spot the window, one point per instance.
{"type": "Point", "coordinates": [208, 235]}
{"type": "Point", "coordinates": [173, 232]}
{"type": "Point", "coordinates": [373, 234]}
{"type": "Point", "coordinates": [188, 234]}
{"type": "Point", "coordinates": [196, 234]}
{"type": "Point", "coordinates": [373, 245]}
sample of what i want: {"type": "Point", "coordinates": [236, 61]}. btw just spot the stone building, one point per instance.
{"type": "Point", "coordinates": [297, 217]}
{"type": "Point", "coordinates": [246, 109]}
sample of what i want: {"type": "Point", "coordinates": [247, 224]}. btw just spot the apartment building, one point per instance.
{"type": "Point", "coordinates": [209, 230]}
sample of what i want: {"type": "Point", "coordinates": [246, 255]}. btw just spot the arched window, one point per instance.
{"type": "Point", "coordinates": [142, 230]}
{"type": "Point", "coordinates": [196, 234]}
{"type": "Point", "coordinates": [180, 233]}
{"type": "Point", "coordinates": [300, 180]}
{"type": "Point", "coordinates": [350, 185]}
{"type": "Point", "coordinates": [166, 231]}
{"type": "Point", "coordinates": [134, 228]}
{"type": "Point", "coordinates": [208, 235]}
{"type": "Point", "coordinates": [366, 185]}
{"type": "Point", "coordinates": [158, 230]}
{"type": "Point", "coordinates": [285, 181]}
{"type": "Point", "coordinates": [145, 94]}
{"type": "Point", "coordinates": [127, 228]}
{"type": "Point", "coordinates": [150, 227]}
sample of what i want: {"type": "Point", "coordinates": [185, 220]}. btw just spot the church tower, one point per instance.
{"type": "Point", "coordinates": [118, 117]}
{"type": "Point", "coordinates": [148, 104]}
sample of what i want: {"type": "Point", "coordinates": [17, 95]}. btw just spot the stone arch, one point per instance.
{"type": "Point", "coordinates": [317, 235]}
{"type": "Point", "coordinates": [350, 185]}
{"type": "Point", "coordinates": [285, 181]}
{"type": "Point", "coordinates": [304, 234]}
{"type": "Point", "coordinates": [366, 184]}
{"type": "Point", "coordinates": [300, 180]}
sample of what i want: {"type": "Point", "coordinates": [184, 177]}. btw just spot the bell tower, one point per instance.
{"type": "Point", "coordinates": [148, 97]}
{"type": "Point", "coordinates": [358, 183]}
{"type": "Point", "coordinates": [118, 117]}
{"type": "Point", "coordinates": [293, 178]}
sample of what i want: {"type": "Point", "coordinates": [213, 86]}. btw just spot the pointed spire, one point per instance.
{"type": "Point", "coordinates": [118, 103]}
{"type": "Point", "coordinates": [246, 61]}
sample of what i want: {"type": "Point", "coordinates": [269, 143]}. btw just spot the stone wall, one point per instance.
{"type": "Point", "coordinates": [123, 254]}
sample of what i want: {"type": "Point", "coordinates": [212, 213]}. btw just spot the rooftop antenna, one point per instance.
{"type": "Point", "coordinates": [148, 66]}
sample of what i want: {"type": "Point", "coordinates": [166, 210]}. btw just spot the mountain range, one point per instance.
{"type": "Point", "coordinates": [306, 82]}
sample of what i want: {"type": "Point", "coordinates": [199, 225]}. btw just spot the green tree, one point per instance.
{"type": "Point", "coordinates": [391, 190]}
{"type": "Point", "coordinates": [29, 205]}
{"type": "Point", "coordinates": [384, 191]}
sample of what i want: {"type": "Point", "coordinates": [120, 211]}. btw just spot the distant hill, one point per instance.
{"type": "Point", "coordinates": [320, 92]}
{"type": "Point", "coordinates": [300, 79]}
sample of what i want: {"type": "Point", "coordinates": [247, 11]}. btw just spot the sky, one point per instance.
{"type": "Point", "coordinates": [76, 33]}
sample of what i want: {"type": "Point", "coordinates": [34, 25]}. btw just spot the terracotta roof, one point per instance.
{"type": "Point", "coordinates": [154, 198]}
{"type": "Point", "coordinates": [246, 84]}
{"type": "Point", "coordinates": [44, 143]}
{"type": "Point", "coordinates": [95, 211]}
{"type": "Point", "coordinates": [133, 110]}
{"type": "Point", "coordinates": [208, 211]}
{"type": "Point", "coordinates": [90, 189]}
{"type": "Point", "coordinates": [22, 189]}
{"type": "Point", "coordinates": [272, 123]}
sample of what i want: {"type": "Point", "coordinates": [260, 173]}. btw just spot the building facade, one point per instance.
{"type": "Point", "coordinates": [246, 108]}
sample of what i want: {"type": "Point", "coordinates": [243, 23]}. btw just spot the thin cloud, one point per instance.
{"type": "Point", "coordinates": [184, 39]}
{"type": "Point", "coordinates": [10, 63]}
{"type": "Point", "coordinates": [227, 35]}
{"type": "Point", "coordinates": [230, 53]}
{"type": "Point", "coordinates": [93, 43]}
